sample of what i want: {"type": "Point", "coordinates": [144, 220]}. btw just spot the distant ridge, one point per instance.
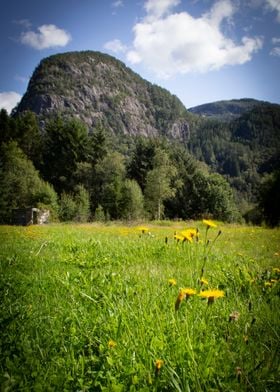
{"type": "Point", "coordinates": [226, 110]}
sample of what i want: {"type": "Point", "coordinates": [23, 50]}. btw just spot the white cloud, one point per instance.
{"type": "Point", "coordinates": [117, 4]}
{"type": "Point", "coordinates": [221, 10]}
{"type": "Point", "coordinates": [115, 46]}
{"type": "Point", "coordinates": [47, 36]}
{"type": "Point", "coordinates": [275, 51]}
{"type": "Point", "coordinates": [158, 8]}
{"type": "Point", "coordinates": [274, 5]}
{"type": "Point", "coordinates": [25, 23]}
{"type": "Point", "coordinates": [180, 43]}
{"type": "Point", "coordinates": [275, 40]}
{"type": "Point", "coordinates": [8, 100]}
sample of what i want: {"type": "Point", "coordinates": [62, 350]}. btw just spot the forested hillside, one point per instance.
{"type": "Point", "coordinates": [226, 110]}
{"type": "Point", "coordinates": [81, 175]}
{"type": "Point", "coordinates": [243, 150]}
{"type": "Point", "coordinates": [93, 140]}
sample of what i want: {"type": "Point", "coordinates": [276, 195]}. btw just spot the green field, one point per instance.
{"type": "Point", "coordinates": [92, 308]}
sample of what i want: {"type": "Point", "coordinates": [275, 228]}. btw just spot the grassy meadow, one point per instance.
{"type": "Point", "coordinates": [115, 308]}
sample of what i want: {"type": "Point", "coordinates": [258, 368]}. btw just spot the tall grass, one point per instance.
{"type": "Point", "coordinates": [92, 308]}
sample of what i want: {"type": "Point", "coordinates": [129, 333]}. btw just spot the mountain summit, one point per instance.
{"type": "Point", "coordinates": [101, 90]}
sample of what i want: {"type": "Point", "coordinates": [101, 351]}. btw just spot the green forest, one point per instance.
{"type": "Point", "coordinates": [228, 171]}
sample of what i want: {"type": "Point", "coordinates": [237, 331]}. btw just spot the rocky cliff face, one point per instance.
{"type": "Point", "coordinates": [100, 90]}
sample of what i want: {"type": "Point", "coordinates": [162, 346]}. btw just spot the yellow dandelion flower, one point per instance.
{"type": "Point", "coordinates": [159, 363]}
{"type": "Point", "coordinates": [187, 235]}
{"type": "Point", "coordinates": [178, 237]}
{"type": "Point", "coordinates": [192, 232]}
{"type": "Point", "coordinates": [112, 343]}
{"type": "Point", "coordinates": [183, 293]}
{"type": "Point", "coordinates": [209, 223]}
{"type": "Point", "coordinates": [203, 281]}
{"type": "Point", "coordinates": [211, 295]}
{"type": "Point", "coordinates": [143, 229]}
{"type": "Point", "coordinates": [172, 282]}
{"type": "Point", "coordinates": [188, 292]}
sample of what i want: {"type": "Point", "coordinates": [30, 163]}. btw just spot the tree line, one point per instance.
{"type": "Point", "coordinates": [82, 176]}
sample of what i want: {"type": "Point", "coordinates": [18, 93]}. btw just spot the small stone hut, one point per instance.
{"type": "Point", "coordinates": [30, 216]}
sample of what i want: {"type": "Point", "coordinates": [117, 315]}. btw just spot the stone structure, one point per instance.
{"type": "Point", "coordinates": [30, 216]}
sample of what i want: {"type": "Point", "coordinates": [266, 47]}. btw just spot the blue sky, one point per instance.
{"type": "Point", "coordinates": [200, 50]}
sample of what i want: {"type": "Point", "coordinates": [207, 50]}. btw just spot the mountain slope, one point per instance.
{"type": "Point", "coordinates": [99, 89]}
{"type": "Point", "coordinates": [238, 138]}
{"type": "Point", "coordinates": [226, 110]}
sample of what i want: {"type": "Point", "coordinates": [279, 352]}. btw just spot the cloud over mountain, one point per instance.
{"type": "Point", "coordinates": [8, 100]}
{"type": "Point", "coordinates": [115, 46]}
{"type": "Point", "coordinates": [169, 43]}
{"type": "Point", "coordinates": [47, 36]}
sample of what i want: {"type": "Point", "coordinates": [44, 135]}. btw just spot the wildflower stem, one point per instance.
{"type": "Point", "coordinates": [191, 353]}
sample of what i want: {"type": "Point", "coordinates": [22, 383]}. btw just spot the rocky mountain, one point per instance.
{"type": "Point", "coordinates": [227, 110]}
{"type": "Point", "coordinates": [239, 139]}
{"type": "Point", "coordinates": [100, 90]}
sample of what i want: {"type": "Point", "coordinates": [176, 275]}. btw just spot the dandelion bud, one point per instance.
{"type": "Point", "coordinates": [112, 343]}
{"type": "Point", "coordinates": [158, 365]}
{"type": "Point", "coordinates": [184, 293]}
{"type": "Point", "coordinates": [172, 282]}
{"type": "Point", "coordinates": [179, 299]}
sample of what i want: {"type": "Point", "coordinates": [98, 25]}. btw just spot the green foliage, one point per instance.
{"type": "Point", "coordinates": [269, 199]}
{"type": "Point", "coordinates": [7, 127]}
{"type": "Point", "coordinates": [158, 184]}
{"type": "Point", "coordinates": [141, 160]}
{"type": "Point", "coordinates": [75, 207]}
{"type": "Point", "coordinates": [98, 145]}
{"type": "Point", "coordinates": [167, 108]}
{"type": "Point", "coordinates": [24, 129]}
{"type": "Point", "coordinates": [82, 201]}
{"type": "Point", "coordinates": [67, 207]}
{"type": "Point", "coordinates": [108, 182]}
{"type": "Point", "coordinates": [20, 183]}
{"type": "Point", "coordinates": [226, 110]}
{"type": "Point", "coordinates": [29, 137]}
{"type": "Point", "coordinates": [99, 214]}
{"type": "Point", "coordinates": [65, 145]}
{"type": "Point", "coordinates": [132, 201]}
{"type": "Point", "coordinates": [241, 150]}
